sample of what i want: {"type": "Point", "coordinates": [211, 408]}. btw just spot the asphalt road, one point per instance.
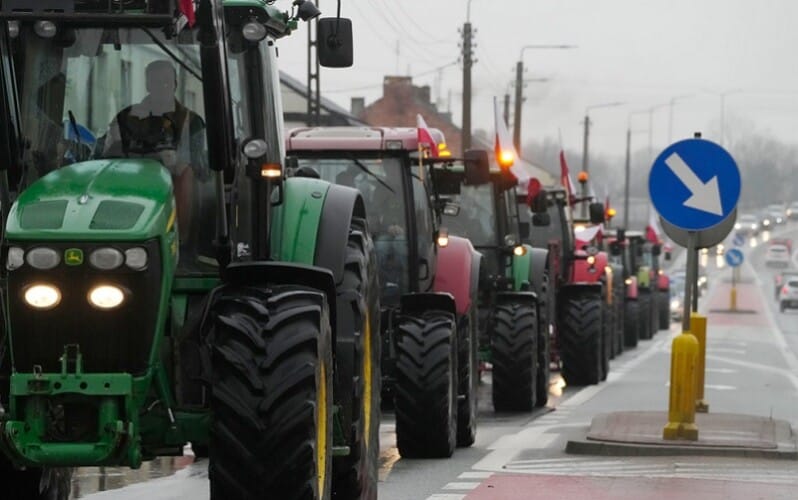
{"type": "Point", "coordinates": [751, 369]}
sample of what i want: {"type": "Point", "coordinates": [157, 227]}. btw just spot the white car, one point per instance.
{"type": "Point", "coordinates": [777, 256]}
{"type": "Point", "coordinates": [788, 296]}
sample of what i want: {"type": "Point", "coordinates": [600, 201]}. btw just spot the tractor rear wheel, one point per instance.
{"type": "Point", "coordinates": [514, 350]}
{"type": "Point", "coordinates": [271, 394]}
{"type": "Point", "coordinates": [544, 367]}
{"type": "Point", "coordinates": [620, 318]}
{"type": "Point", "coordinates": [644, 313]}
{"type": "Point", "coordinates": [468, 378]}
{"type": "Point", "coordinates": [355, 475]}
{"type": "Point", "coordinates": [425, 398]}
{"type": "Point", "coordinates": [580, 339]}
{"type": "Point", "coordinates": [664, 309]}
{"type": "Point", "coordinates": [631, 324]}
{"type": "Point", "coordinates": [25, 484]}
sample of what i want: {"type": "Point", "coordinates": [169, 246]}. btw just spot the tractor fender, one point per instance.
{"type": "Point", "coordinates": [530, 298]}
{"type": "Point", "coordinates": [631, 288]}
{"type": "Point", "coordinates": [587, 273]}
{"type": "Point", "coordinates": [340, 205]}
{"type": "Point", "coordinates": [458, 272]}
{"type": "Point", "coordinates": [572, 289]}
{"type": "Point", "coordinates": [413, 304]}
{"type": "Point", "coordinates": [538, 262]}
{"type": "Point", "coordinates": [663, 282]}
{"type": "Point", "coordinates": [283, 273]}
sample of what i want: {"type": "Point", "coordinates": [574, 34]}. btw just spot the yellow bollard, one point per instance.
{"type": "Point", "coordinates": [733, 299]}
{"type": "Point", "coordinates": [681, 405]}
{"type": "Point", "coordinates": [698, 327]}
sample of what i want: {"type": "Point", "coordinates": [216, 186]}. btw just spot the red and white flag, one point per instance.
{"type": "Point", "coordinates": [188, 11]}
{"type": "Point", "coordinates": [565, 178]}
{"type": "Point", "coordinates": [425, 136]}
{"type": "Point", "coordinates": [653, 231]}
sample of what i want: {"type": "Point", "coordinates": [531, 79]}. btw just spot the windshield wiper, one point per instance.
{"type": "Point", "coordinates": [364, 168]}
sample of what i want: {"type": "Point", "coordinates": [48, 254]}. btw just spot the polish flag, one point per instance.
{"type": "Point", "coordinates": [187, 9]}
{"type": "Point", "coordinates": [653, 231]}
{"type": "Point", "coordinates": [565, 178]}
{"type": "Point", "coordinates": [425, 136]}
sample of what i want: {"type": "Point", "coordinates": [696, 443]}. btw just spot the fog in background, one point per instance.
{"type": "Point", "coordinates": [645, 53]}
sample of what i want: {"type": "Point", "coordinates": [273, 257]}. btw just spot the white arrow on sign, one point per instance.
{"type": "Point", "coordinates": [706, 196]}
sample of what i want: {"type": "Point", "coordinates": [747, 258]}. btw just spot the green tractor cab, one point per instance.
{"type": "Point", "coordinates": [164, 282]}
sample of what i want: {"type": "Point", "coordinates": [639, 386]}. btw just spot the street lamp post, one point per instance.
{"type": "Point", "coordinates": [585, 144]}
{"type": "Point", "coordinates": [670, 115]}
{"type": "Point", "coordinates": [519, 89]}
{"type": "Point", "coordinates": [628, 166]}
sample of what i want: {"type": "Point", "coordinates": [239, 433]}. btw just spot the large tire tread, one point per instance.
{"type": "Point", "coordinates": [514, 350]}
{"type": "Point", "coordinates": [270, 352]}
{"type": "Point", "coordinates": [425, 399]}
{"type": "Point", "coordinates": [580, 339]}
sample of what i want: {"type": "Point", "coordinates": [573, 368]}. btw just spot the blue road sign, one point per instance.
{"type": "Point", "coordinates": [739, 240]}
{"type": "Point", "coordinates": [694, 184]}
{"type": "Point", "coordinates": [734, 257]}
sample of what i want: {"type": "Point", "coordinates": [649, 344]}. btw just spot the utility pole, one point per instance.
{"type": "Point", "coordinates": [507, 109]}
{"type": "Point", "coordinates": [467, 62]}
{"type": "Point", "coordinates": [585, 142]}
{"type": "Point", "coordinates": [519, 100]}
{"type": "Point", "coordinates": [627, 177]}
{"type": "Point", "coordinates": [314, 83]}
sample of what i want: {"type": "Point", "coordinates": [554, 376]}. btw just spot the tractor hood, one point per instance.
{"type": "Point", "coordinates": [119, 199]}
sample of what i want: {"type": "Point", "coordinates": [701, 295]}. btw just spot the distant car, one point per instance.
{"type": "Point", "coordinates": [792, 211]}
{"type": "Point", "coordinates": [788, 296]}
{"type": "Point", "coordinates": [677, 299]}
{"type": "Point", "coordinates": [781, 278]}
{"type": "Point", "coordinates": [787, 242]}
{"type": "Point", "coordinates": [777, 216]}
{"type": "Point", "coordinates": [679, 276]}
{"type": "Point", "coordinates": [777, 256]}
{"type": "Point", "coordinates": [747, 225]}
{"type": "Point", "coordinates": [766, 221]}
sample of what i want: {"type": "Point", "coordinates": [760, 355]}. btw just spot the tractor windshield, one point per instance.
{"type": "Point", "coordinates": [380, 182]}
{"type": "Point", "coordinates": [475, 219]}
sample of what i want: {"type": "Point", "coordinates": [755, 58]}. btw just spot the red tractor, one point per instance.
{"type": "Point", "coordinates": [429, 279]}
{"type": "Point", "coordinates": [579, 287]}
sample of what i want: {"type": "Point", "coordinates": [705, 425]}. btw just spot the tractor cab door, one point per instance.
{"type": "Point", "coordinates": [422, 215]}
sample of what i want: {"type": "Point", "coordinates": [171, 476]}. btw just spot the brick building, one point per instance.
{"type": "Point", "coordinates": [401, 101]}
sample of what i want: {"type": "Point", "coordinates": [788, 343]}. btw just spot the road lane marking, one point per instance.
{"type": "Point", "coordinates": [461, 486]}
{"type": "Point", "coordinates": [475, 475]}
{"type": "Point", "coordinates": [720, 370]}
{"type": "Point", "coordinates": [446, 496]}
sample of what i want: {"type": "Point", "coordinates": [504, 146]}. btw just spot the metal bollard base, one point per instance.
{"type": "Point", "coordinates": [701, 406]}
{"type": "Point", "coordinates": [680, 430]}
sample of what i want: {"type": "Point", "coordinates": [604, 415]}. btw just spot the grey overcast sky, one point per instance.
{"type": "Point", "coordinates": [641, 52]}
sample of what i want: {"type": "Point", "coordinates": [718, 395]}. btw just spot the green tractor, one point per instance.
{"type": "Point", "coordinates": [164, 282]}
{"type": "Point", "coordinates": [513, 289]}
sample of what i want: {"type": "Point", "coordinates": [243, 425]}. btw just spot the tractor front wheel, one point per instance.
{"type": "Point", "coordinates": [514, 350]}
{"type": "Point", "coordinates": [580, 339]}
{"type": "Point", "coordinates": [664, 309]}
{"type": "Point", "coordinates": [631, 323]}
{"type": "Point", "coordinates": [425, 398]}
{"type": "Point", "coordinates": [644, 313]}
{"type": "Point", "coordinates": [271, 394]}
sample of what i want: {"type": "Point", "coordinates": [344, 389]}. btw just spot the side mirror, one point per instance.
{"type": "Point", "coordinates": [656, 250]}
{"type": "Point", "coordinates": [539, 204]}
{"type": "Point", "coordinates": [541, 220]}
{"type": "Point", "coordinates": [621, 235]}
{"type": "Point", "coordinates": [477, 167]}
{"type": "Point", "coordinates": [596, 213]}
{"type": "Point", "coordinates": [667, 256]}
{"type": "Point", "coordinates": [615, 248]}
{"type": "Point", "coordinates": [335, 42]}
{"type": "Point", "coordinates": [523, 230]}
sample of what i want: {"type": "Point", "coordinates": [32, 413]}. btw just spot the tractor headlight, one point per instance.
{"type": "Point", "coordinates": [519, 250]}
{"type": "Point", "coordinates": [591, 260]}
{"type": "Point", "coordinates": [136, 258]}
{"type": "Point", "coordinates": [43, 258]}
{"type": "Point", "coordinates": [675, 303]}
{"type": "Point", "coordinates": [106, 258]}
{"type": "Point", "coordinates": [15, 258]}
{"type": "Point", "coordinates": [45, 29]}
{"type": "Point", "coordinates": [106, 296]}
{"type": "Point", "coordinates": [253, 31]}
{"type": "Point", "coordinates": [42, 296]}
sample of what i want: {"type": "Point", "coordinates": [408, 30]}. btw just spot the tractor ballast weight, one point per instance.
{"type": "Point", "coordinates": [429, 313]}
{"type": "Point", "coordinates": [127, 334]}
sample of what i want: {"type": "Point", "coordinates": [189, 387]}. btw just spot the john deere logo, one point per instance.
{"type": "Point", "coordinates": [73, 256]}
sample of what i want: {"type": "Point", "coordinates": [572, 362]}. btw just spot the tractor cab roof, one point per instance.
{"type": "Point", "coordinates": [357, 139]}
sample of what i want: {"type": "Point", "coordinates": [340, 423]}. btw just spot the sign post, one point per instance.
{"type": "Point", "coordinates": [694, 184]}
{"type": "Point", "coordinates": [734, 258]}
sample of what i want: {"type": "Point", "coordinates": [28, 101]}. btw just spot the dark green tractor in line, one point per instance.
{"type": "Point", "coordinates": [513, 288]}
{"type": "Point", "coordinates": [163, 281]}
